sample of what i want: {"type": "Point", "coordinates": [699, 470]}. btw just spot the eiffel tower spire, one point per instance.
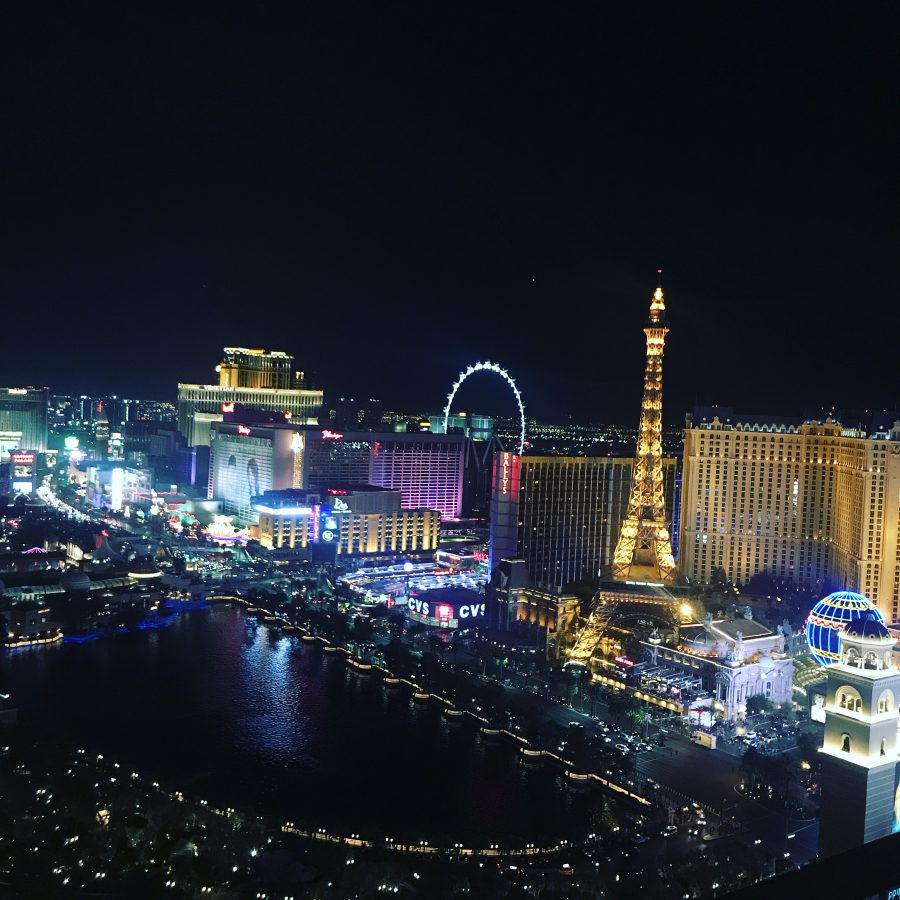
{"type": "Point", "coordinates": [644, 542]}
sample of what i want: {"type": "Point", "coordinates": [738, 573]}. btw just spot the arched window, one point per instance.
{"type": "Point", "coordinates": [851, 657]}
{"type": "Point", "coordinates": [847, 697]}
{"type": "Point", "coordinates": [884, 746]}
{"type": "Point", "coordinates": [885, 701]}
{"type": "Point", "coordinates": [871, 660]}
{"type": "Point", "coordinates": [845, 743]}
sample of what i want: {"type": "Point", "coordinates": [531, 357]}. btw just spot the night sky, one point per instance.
{"type": "Point", "coordinates": [393, 191]}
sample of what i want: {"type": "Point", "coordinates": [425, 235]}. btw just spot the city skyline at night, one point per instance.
{"type": "Point", "coordinates": [356, 537]}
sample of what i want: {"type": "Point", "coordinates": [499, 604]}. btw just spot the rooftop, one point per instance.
{"type": "Point", "coordinates": [455, 595]}
{"type": "Point", "coordinates": [340, 488]}
{"type": "Point", "coordinates": [750, 629]}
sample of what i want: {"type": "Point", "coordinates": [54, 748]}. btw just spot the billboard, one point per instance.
{"type": "Point", "coordinates": [329, 526]}
{"type": "Point", "coordinates": [441, 612]}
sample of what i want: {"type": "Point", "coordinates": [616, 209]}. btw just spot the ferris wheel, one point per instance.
{"type": "Point", "coordinates": [497, 370]}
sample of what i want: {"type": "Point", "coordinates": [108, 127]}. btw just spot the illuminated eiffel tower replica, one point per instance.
{"type": "Point", "coordinates": [644, 550]}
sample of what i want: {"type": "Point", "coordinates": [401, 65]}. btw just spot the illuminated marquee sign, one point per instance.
{"type": "Point", "coordinates": [444, 612]}
{"type": "Point", "coordinates": [509, 474]}
{"type": "Point", "coordinates": [330, 527]}
{"type": "Point", "coordinates": [243, 429]}
{"type": "Point", "coordinates": [22, 458]}
{"type": "Point", "coordinates": [331, 435]}
{"type": "Point", "coordinates": [624, 661]}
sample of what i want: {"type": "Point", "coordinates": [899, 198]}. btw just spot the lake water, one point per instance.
{"type": "Point", "coordinates": [223, 709]}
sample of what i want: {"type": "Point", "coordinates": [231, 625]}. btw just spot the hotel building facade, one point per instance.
{"type": "Point", "coordinates": [248, 460]}
{"type": "Point", "coordinates": [810, 502]}
{"type": "Point", "coordinates": [563, 514]}
{"type": "Point", "coordinates": [357, 520]}
{"type": "Point", "coordinates": [253, 379]}
{"type": "Point", "coordinates": [23, 419]}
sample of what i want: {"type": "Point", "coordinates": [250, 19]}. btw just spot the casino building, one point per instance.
{"type": "Point", "coordinates": [807, 501]}
{"type": "Point", "coordinates": [563, 514]}
{"type": "Point", "coordinates": [255, 379]}
{"type": "Point", "coordinates": [356, 520]}
{"type": "Point", "coordinates": [23, 419]}
{"type": "Point", "coordinates": [246, 460]}
{"type": "Point", "coordinates": [735, 659]}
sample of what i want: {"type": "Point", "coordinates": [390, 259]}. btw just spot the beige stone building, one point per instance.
{"type": "Point", "coordinates": [811, 502]}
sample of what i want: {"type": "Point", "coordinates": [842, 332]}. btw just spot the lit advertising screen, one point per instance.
{"type": "Point", "coordinates": [329, 526]}
{"type": "Point", "coordinates": [23, 487]}
{"type": "Point", "coordinates": [443, 613]}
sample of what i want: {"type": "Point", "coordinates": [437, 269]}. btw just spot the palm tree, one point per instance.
{"type": "Point", "coordinates": [641, 717]}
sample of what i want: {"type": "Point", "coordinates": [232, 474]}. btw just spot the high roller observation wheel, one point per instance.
{"type": "Point", "coordinates": [497, 370]}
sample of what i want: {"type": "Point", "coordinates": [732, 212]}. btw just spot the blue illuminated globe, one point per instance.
{"type": "Point", "coordinates": [828, 617]}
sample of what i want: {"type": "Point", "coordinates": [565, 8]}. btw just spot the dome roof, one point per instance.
{"type": "Point", "coordinates": [868, 627]}
{"type": "Point", "coordinates": [766, 662]}
{"type": "Point", "coordinates": [74, 581]}
{"type": "Point", "coordinates": [829, 617]}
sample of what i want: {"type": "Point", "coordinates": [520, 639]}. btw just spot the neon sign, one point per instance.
{"type": "Point", "coordinates": [331, 435]}
{"type": "Point", "coordinates": [22, 458]}
{"type": "Point", "coordinates": [506, 466]}
{"type": "Point", "coordinates": [624, 661]}
{"type": "Point", "coordinates": [227, 407]}
{"type": "Point", "coordinates": [243, 429]}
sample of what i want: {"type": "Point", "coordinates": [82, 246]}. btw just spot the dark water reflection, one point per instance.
{"type": "Point", "coordinates": [223, 709]}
